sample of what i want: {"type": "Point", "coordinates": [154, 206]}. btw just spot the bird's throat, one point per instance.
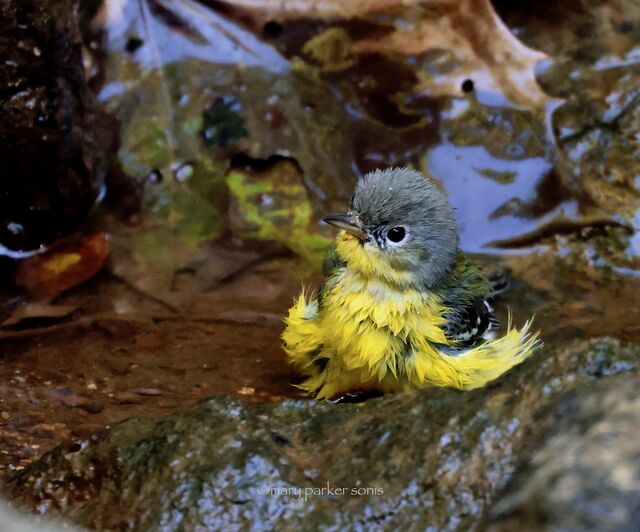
{"type": "Point", "coordinates": [370, 262]}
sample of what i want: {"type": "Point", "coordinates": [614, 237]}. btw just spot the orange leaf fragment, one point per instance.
{"type": "Point", "coordinates": [47, 275]}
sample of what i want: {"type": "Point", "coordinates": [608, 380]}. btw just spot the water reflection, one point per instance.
{"type": "Point", "coordinates": [168, 31]}
{"type": "Point", "coordinates": [490, 195]}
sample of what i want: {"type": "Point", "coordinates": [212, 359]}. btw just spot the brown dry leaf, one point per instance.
{"type": "Point", "coordinates": [468, 38]}
{"type": "Point", "coordinates": [37, 310]}
{"type": "Point", "coordinates": [53, 272]}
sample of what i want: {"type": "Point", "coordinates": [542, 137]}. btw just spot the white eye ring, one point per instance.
{"type": "Point", "coordinates": [397, 232]}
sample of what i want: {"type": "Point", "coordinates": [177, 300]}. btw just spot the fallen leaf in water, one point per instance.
{"type": "Point", "coordinates": [199, 84]}
{"type": "Point", "coordinates": [457, 41]}
{"type": "Point", "coordinates": [29, 311]}
{"type": "Point", "coordinates": [47, 275]}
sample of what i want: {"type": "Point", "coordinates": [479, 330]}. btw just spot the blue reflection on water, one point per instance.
{"type": "Point", "coordinates": [477, 197]}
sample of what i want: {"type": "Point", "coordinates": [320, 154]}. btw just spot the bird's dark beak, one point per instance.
{"type": "Point", "coordinates": [350, 223]}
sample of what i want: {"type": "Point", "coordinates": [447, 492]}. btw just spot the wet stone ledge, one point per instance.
{"type": "Point", "coordinates": [434, 458]}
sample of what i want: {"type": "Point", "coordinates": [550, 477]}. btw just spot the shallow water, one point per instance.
{"type": "Point", "coordinates": [244, 132]}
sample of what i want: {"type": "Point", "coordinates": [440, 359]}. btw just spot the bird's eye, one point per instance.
{"type": "Point", "coordinates": [396, 234]}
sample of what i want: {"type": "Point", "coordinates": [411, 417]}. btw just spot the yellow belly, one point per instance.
{"type": "Point", "coordinates": [370, 335]}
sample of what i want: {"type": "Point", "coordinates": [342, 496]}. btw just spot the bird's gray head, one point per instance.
{"type": "Point", "coordinates": [404, 228]}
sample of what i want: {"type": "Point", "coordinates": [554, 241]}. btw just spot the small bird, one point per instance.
{"type": "Point", "coordinates": [400, 307]}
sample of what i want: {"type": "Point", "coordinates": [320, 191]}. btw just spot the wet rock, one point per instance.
{"type": "Point", "coordinates": [55, 145]}
{"type": "Point", "coordinates": [587, 475]}
{"type": "Point", "coordinates": [434, 458]}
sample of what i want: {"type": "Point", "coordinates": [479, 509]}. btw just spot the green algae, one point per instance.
{"type": "Point", "coordinates": [274, 205]}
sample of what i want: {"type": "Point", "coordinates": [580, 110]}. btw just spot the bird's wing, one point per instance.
{"type": "Point", "coordinates": [332, 263]}
{"type": "Point", "coordinates": [470, 324]}
{"type": "Point", "coordinates": [466, 295]}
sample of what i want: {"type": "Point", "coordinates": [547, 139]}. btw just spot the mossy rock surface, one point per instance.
{"type": "Point", "coordinates": [433, 458]}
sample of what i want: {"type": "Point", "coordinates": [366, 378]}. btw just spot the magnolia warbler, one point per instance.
{"type": "Point", "coordinates": [400, 307]}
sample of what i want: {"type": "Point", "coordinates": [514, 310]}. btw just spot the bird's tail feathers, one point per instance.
{"type": "Point", "coordinates": [489, 360]}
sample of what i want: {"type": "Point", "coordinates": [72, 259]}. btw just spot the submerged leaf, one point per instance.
{"type": "Point", "coordinates": [459, 45]}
